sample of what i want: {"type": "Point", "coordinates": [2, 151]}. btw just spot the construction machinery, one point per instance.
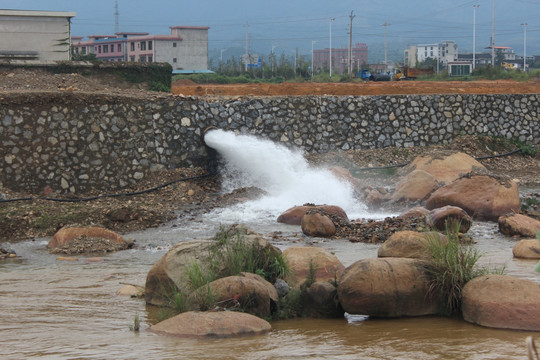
{"type": "Point", "coordinates": [408, 73]}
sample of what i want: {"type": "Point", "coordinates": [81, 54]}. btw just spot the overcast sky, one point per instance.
{"type": "Point", "coordinates": [286, 24]}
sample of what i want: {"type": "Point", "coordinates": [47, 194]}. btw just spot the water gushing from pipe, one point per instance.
{"type": "Point", "coordinates": [283, 173]}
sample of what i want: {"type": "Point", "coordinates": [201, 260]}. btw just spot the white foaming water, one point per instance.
{"type": "Point", "coordinates": [281, 172]}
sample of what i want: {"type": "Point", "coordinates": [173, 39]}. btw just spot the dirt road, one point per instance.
{"type": "Point", "coordinates": [359, 88]}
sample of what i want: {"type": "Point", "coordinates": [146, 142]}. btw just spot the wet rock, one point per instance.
{"type": "Point", "coordinates": [409, 244]}
{"type": "Point", "coordinates": [293, 216]}
{"type": "Point", "coordinates": [378, 231]}
{"type": "Point", "coordinates": [220, 324]}
{"type": "Point", "coordinates": [321, 301]}
{"type": "Point", "coordinates": [83, 240]}
{"type": "Point", "coordinates": [502, 301]}
{"type": "Point", "coordinates": [67, 258]}
{"type": "Point", "coordinates": [416, 186]}
{"type": "Point", "coordinates": [445, 166]}
{"type": "Point", "coordinates": [282, 287]}
{"type": "Point", "coordinates": [7, 254]}
{"type": "Point", "coordinates": [390, 287]}
{"type": "Point", "coordinates": [317, 225]}
{"type": "Point", "coordinates": [132, 291]}
{"type": "Point", "coordinates": [303, 260]}
{"type": "Point", "coordinates": [449, 218]}
{"type": "Point", "coordinates": [517, 224]}
{"type": "Point", "coordinates": [249, 292]}
{"type": "Point", "coordinates": [417, 211]}
{"type": "Point", "coordinates": [526, 249]}
{"type": "Point", "coordinates": [484, 197]}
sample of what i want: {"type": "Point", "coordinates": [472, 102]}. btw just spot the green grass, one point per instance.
{"type": "Point", "coordinates": [450, 267]}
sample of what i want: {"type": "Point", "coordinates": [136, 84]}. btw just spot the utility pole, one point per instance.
{"type": "Point", "coordinates": [474, 37]}
{"type": "Point", "coordinates": [273, 58]}
{"type": "Point", "coordinates": [247, 47]}
{"type": "Point", "coordinates": [312, 69]}
{"type": "Point", "coordinates": [116, 18]}
{"type": "Point", "coordinates": [331, 21]}
{"type": "Point", "coordinates": [493, 37]}
{"type": "Point", "coordinates": [524, 46]}
{"type": "Point", "coordinates": [385, 59]}
{"type": "Point", "coordinates": [350, 46]}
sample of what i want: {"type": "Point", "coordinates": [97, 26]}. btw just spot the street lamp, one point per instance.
{"type": "Point", "coordinates": [331, 21]}
{"type": "Point", "coordinates": [312, 43]}
{"type": "Point", "coordinates": [474, 37]}
{"type": "Point", "coordinates": [221, 55]}
{"type": "Point", "coordinates": [524, 46]}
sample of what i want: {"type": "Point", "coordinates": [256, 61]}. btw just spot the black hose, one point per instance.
{"type": "Point", "coordinates": [212, 172]}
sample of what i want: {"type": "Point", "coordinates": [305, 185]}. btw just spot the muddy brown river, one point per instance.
{"type": "Point", "coordinates": [53, 309]}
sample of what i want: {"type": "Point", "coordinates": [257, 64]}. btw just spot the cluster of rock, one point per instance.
{"type": "Point", "coordinates": [74, 142]}
{"type": "Point", "coordinates": [7, 254]}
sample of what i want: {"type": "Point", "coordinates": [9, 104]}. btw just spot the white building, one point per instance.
{"type": "Point", "coordinates": [445, 52]}
{"type": "Point", "coordinates": [35, 36]}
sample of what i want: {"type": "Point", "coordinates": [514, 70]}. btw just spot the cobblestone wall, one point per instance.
{"type": "Point", "coordinates": [74, 142]}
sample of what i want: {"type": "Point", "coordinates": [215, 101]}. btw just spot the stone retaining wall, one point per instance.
{"type": "Point", "coordinates": [76, 142]}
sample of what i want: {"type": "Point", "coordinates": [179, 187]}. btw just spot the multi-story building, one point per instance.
{"type": "Point", "coordinates": [35, 36]}
{"type": "Point", "coordinates": [445, 52]}
{"type": "Point", "coordinates": [186, 48]}
{"type": "Point", "coordinates": [340, 59]}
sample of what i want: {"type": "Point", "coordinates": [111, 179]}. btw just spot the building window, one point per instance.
{"type": "Point", "coordinates": [105, 48]}
{"type": "Point", "coordinates": [99, 49]}
{"type": "Point", "coordinates": [132, 58]}
{"type": "Point", "coordinates": [173, 44]}
{"type": "Point", "coordinates": [142, 58]}
{"type": "Point", "coordinates": [150, 58]}
{"type": "Point", "coordinates": [150, 45]}
{"type": "Point", "coordinates": [83, 50]}
{"type": "Point", "coordinates": [132, 46]}
{"type": "Point", "coordinates": [143, 45]}
{"type": "Point", "coordinates": [174, 60]}
{"type": "Point", "coordinates": [119, 47]}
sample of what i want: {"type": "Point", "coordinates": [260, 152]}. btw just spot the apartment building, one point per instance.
{"type": "Point", "coordinates": [35, 36]}
{"type": "Point", "coordinates": [340, 59]}
{"type": "Point", "coordinates": [445, 52]}
{"type": "Point", "coordinates": [186, 48]}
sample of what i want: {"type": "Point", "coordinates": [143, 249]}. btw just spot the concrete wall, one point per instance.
{"type": "Point", "coordinates": [73, 142]}
{"type": "Point", "coordinates": [29, 32]}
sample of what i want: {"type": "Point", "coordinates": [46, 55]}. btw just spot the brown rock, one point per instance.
{"type": "Point", "coordinates": [417, 211]}
{"type": "Point", "coordinates": [502, 301]}
{"type": "Point", "coordinates": [483, 197]}
{"type": "Point", "coordinates": [447, 218]}
{"type": "Point", "coordinates": [445, 166]}
{"type": "Point", "coordinates": [390, 287]}
{"type": "Point", "coordinates": [66, 258]}
{"type": "Point", "coordinates": [416, 186]}
{"type": "Point", "coordinates": [293, 216]}
{"type": "Point", "coordinates": [255, 295]}
{"type": "Point", "coordinates": [220, 324]}
{"type": "Point", "coordinates": [318, 225]}
{"type": "Point", "coordinates": [321, 300]}
{"type": "Point", "coordinates": [326, 265]}
{"type": "Point", "coordinates": [517, 224]}
{"type": "Point", "coordinates": [131, 291]}
{"type": "Point", "coordinates": [527, 249]}
{"type": "Point", "coordinates": [409, 244]}
{"type": "Point", "coordinates": [66, 234]}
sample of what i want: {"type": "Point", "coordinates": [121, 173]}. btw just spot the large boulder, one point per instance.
{"type": "Point", "coordinates": [527, 249]}
{"type": "Point", "coordinates": [449, 218]}
{"type": "Point", "coordinates": [483, 197]}
{"type": "Point", "coordinates": [168, 275]}
{"type": "Point", "coordinates": [317, 225]}
{"type": "Point", "coordinates": [415, 212]}
{"type": "Point", "coordinates": [445, 166]}
{"type": "Point", "coordinates": [389, 287]}
{"type": "Point", "coordinates": [73, 240]}
{"type": "Point", "coordinates": [502, 301]}
{"type": "Point", "coordinates": [294, 215]}
{"type": "Point", "coordinates": [518, 224]}
{"type": "Point", "coordinates": [415, 186]}
{"type": "Point", "coordinates": [409, 244]}
{"type": "Point", "coordinates": [220, 324]}
{"type": "Point", "coordinates": [249, 292]}
{"type": "Point", "coordinates": [302, 260]}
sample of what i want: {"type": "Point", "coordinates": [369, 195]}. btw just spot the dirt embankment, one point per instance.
{"type": "Point", "coordinates": [359, 88]}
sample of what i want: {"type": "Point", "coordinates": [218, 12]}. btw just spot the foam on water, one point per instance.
{"type": "Point", "coordinates": [283, 173]}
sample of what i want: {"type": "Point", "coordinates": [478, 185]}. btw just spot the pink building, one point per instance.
{"type": "Point", "coordinates": [186, 48]}
{"type": "Point", "coordinates": [340, 57]}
